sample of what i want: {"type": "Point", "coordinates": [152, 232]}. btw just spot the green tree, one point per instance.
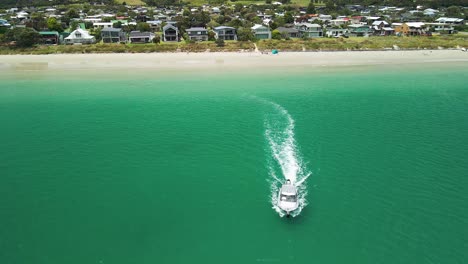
{"type": "Point", "coordinates": [54, 25]}
{"type": "Point", "coordinates": [157, 39]}
{"type": "Point", "coordinates": [96, 33]}
{"type": "Point", "coordinates": [245, 34]}
{"type": "Point", "coordinates": [24, 37]}
{"type": "Point", "coordinates": [117, 24]}
{"type": "Point", "coordinates": [211, 35]}
{"type": "Point", "coordinates": [288, 18]}
{"type": "Point", "coordinates": [220, 42]}
{"type": "Point", "coordinates": [275, 34]}
{"type": "Point", "coordinates": [38, 22]}
{"type": "Point", "coordinates": [238, 7]}
{"type": "Point", "coordinates": [143, 27]}
{"type": "Point", "coordinates": [454, 11]}
{"type": "Point", "coordinates": [74, 25]}
{"type": "Point", "coordinates": [311, 8]}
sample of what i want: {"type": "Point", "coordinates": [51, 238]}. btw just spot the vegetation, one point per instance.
{"type": "Point", "coordinates": [359, 43]}
{"type": "Point", "coordinates": [232, 46]}
{"type": "Point", "coordinates": [21, 37]}
{"type": "Point", "coordinates": [323, 44]}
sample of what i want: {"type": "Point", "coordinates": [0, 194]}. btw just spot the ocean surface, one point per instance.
{"type": "Point", "coordinates": [169, 168]}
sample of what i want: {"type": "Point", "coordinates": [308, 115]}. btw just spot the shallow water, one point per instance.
{"type": "Point", "coordinates": [179, 170]}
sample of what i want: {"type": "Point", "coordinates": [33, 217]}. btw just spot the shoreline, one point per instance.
{"type": "Point", "coordinates": [223, 62]}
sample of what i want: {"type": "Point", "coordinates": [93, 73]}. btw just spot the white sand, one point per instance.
{"type": "Point", "coordinates": [224, 61]}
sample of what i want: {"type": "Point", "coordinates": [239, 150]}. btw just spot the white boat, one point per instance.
{"type": "Point", "coordinates": [287, 197]}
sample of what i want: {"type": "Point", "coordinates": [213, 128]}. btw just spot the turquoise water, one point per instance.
{"type": "Point", "coordinates": [182, 170]}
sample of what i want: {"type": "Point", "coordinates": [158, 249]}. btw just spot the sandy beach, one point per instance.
{"type": "Point", "coordinates": [225, 60]}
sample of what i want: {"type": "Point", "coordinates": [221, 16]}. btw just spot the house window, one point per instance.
{"type": "Point", "coordinates": [78, 35]}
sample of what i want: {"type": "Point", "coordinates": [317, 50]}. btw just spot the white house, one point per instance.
{"type": "Point", "coordinates": [80, 36]}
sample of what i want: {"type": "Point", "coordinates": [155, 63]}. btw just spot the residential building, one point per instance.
{"type": "Point", "coordinates": [80, 36]}
{"type": "Point", "coordinates": [441, 28]}
{"type": "Point", "coordinates": [225, 33]}
{"type": "Point", "coordinates": [450, 20]}
{"type": "Point", "coordinates": [289, 32]}
{"type": "Point", "coordinates": [336, 32]}
{"type": "Point", "coordinates": [358, 30]}
{"type": "Point", "coordinates": [141, 37]}
{"type": "Point", "coordinates": [49, 37]}
{"type": "Point", "coordinates": [410, 28]}
{"type": "Point", "coordinates": [197, 33]}
{"type": "Point", "coordinates": [261, 32]}
{"type": "Point", "coordinates": [113, 35]}
{"type": "Point", "coordinates": [170, 33]}
{"type": "Point", "coordinates": [382, 28]}
{"type": "Point", "coordinates": [308, 30]}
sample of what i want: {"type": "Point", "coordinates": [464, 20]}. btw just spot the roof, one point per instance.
{"type": "Point", "coordinates": [309, 25]}
{"type": "Point", "coordinates": [112, 29]}
{"type": "Point", "coordinates": [357, 26]}
{"type": "Point", "coordinates": [49, 33]}
{"type": "Point", "coordinates": [196, 29]}
{"type": "Point", "coordinates": [449, 19]}
{"type": "Point", "coordinates": [257, 26]}
{"type": "Point", "coordinates": [138, 34]}
{"type": "Point", "coordinates": [223, 27]}
{"type": "Point", "coordinates": [84, 34]}
{"type": "Point", "coordinates": [168, 26]}
{"type": "Point", "coordinates": [287, 30]}
{"type": "Point", "coordinates": [378, 22]}
{"type": "Point", "coordinates": [415, 24]}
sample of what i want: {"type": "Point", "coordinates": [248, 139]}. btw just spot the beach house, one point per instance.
{"type": "Point", "coordinates": [382, 28]}
{"type": "Point", "coordinates": [49, 37]}
{"type": "Point", "coordinates": [225, 33]}
{"type": "Point", "coordinates": [197, 33]}
{"type": "Point", "coordinates": [358, 30]}
{"type": "Point", "coordinates": [170, 33]}
{"type": "Point", "coordinates": [336, 32]}
{"type": "Point", "coordinates": [308, 30]}
{"type": "Point", "coordinates": [80, 36]}
{"type": "Point", "coordinates": [113, 35]}
{"type": "Point", "coordinates": [141, 37]}
{"type": "Point", "coordinates": [289, 32]}
{"type": "Point", "coordinates": [261, 32]}
{"type": "Point", "coordinates": [410, 28]}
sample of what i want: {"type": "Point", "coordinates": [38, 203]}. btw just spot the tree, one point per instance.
{"type": "Point", "coordinates": [288, 18]}
{"type": "Point", "coordinates": [275, 34]}
{"type": "Point", "coordinates": [143, 27]}
{"type": "Point", "coordinates": [238, 7]}
{"type": "Point", "coordinates": [311, 8]}
{"type": "Point", "coordinates": [330, 6]}
{"type": "Point", "coordinates": [24, 37]}
{"type": "Point", "coordinates": [96, 33]}
{"type": "Point", "coordinates": [54, 25]}
{"type": "Point", "coordinates": [74, 25]}
{"type": "Point", "coordinates": [117, 24]}
{"type": "Point", "coordinates": [245, 34]}
{"type": "Point", "coordinates": [211, 36]}
{"type": "Point", "coordinates": [454, 11]}
{"type": "Point", "coordinates": [38, 22]}
{"type": "Point", "coordinates": [157, 39]}
{"type": "Point", "coordinates": [220, 42]}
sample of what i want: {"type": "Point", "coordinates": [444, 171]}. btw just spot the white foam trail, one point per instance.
{"type": "Point", "coordinates": [279, 133]}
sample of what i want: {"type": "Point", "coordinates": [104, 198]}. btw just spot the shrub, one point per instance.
{"type": "Point", "coordinates": [220, 42]}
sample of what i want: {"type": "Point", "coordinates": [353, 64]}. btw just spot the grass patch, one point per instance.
{"type": "Point", "coordinates": [232, 46]}
{"type": "Point", "coordinates": [131, 2]}
{"type": "Point", "coordinates": [371, 43]}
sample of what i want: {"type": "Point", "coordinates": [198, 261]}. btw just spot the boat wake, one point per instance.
{"type": "Point", "coordinates": [285, 161]}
